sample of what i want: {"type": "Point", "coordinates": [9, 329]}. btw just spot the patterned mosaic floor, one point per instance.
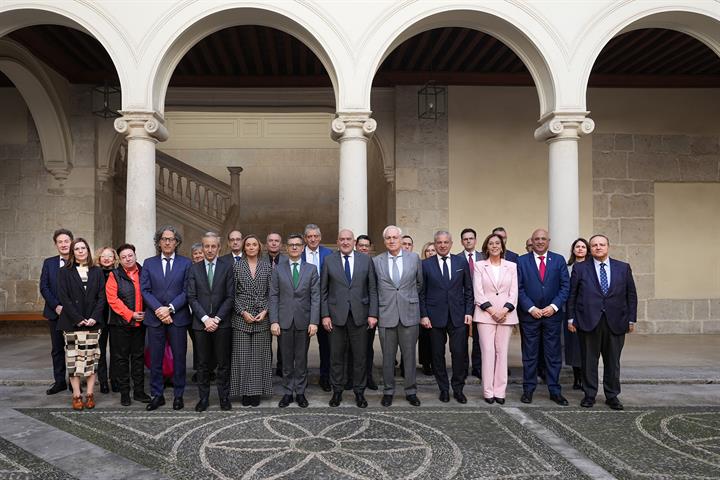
{"type": "Point", "coordinates": [320, 443]}
{"type": "Point", "coordinates": [667, 443]}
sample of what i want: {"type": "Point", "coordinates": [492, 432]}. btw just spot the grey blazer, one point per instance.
{"type": "Point", "coordinates": [338, 298]}
{"type": "Point", "coordinates": [399, 304]}
{"type": "Point", "coordinates": [287, 303]}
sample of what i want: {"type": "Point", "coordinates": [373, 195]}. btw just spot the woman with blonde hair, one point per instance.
{"type": "Point", "coordinates": [107, 259]}
{"type": "Point", "coordinates": [250, 366]}
{"type": "Point", "coordinates": [81, 289]}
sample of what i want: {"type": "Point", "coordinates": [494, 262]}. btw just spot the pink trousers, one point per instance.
{"type": "Point", "coordinates": [494, 343]}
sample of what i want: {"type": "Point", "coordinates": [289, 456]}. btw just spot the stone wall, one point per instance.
{"type": "Point", "coordinates": [421, 177]}
{"type": "Point", "coordinates": [625, 169]}
{"type": "Point", "coordinates": [33, 204]}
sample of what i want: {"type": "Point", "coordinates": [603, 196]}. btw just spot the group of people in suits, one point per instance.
{"type": "Point", "coordinates": [234, 304]}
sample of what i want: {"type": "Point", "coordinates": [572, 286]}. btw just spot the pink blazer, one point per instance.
{"type": "Point", "coordinates": [497, 294]}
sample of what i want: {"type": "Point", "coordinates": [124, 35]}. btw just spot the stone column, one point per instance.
{"type": "Point", "coordinates": [235, 184]}
{"type": "Point", "coordinates": [143, 130]}
{"type": "Point", "coordinates": [561, 132]}
{"type": "Point", "coordinates": [352, 131]}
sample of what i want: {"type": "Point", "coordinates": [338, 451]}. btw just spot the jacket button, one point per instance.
{"type": "Point", "coordinates": [497, 293]}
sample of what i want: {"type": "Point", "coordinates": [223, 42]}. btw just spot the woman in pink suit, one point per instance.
{"type": "Point", "coordinates": [496, 293]}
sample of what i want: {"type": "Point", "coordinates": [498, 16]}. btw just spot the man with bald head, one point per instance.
{"type": "Point", "coordinates": [348, 307]}
{"type": "Point", "coordinates": [543, 288]}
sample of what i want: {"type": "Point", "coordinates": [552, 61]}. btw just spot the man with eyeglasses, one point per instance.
{"type": "Point", "coordinates": [294, 312]}
{"type": "Point", "coordinates": [543, 288]}
{"type": "Point", "coordinates": [167, 317]}
{"type": "Point", "coordinates": [234, 242]}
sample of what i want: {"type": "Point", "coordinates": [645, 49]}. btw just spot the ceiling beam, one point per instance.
{"type": "Point", "coordinates": [462, 33]}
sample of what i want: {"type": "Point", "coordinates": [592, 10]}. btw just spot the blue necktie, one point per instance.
{"type": "Point", "coordinates": [347, 269]}
{"type": "Point", "coordinates": [167, 266]}
{"type": "Point", "coordinates": [446, 272]}
{"type": "Point", "coordinates": [603, 280]}
{"type": "Point", "coordinates": [237, 258]}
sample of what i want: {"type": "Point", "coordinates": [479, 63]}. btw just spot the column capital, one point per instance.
{"type": "Point", "coordinates": [352, 125]}
{"type": "Point", "coordinates": [235, 170]}
{"type": "Point", "coordinates": [564, 125]}
{"type": "Point", "coordinates": [142, 125]}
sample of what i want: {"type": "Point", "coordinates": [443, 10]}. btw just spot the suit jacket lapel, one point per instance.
{"type": "Point", "coordinates": [78, 280]}
{"type": "Point", "coordinates": [489, 271]}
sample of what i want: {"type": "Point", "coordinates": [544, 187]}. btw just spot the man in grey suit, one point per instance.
{"type": "Point", "coordinates": [349, 306]}
{"type": "Point", "coordinates": [399, 282]}
{"type": "Point", "coordinates": [209, 288]}
{"type": "Point", "coordinates": [294, 310]}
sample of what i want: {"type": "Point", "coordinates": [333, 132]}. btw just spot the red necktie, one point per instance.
{"type": "Point", "coordinates": [542, 268]}
{"type": "Point", "coordinates": [472, 264]}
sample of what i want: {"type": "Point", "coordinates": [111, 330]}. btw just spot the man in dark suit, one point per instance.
{"type": "Point", "coordinates": [543, 287]}
{"type": "Point", "coordinates": [349, 306]}
{"type": "Point", "coordinates": [210, 296]}
{"type": "Point", "coordinates": [602, 307]}
{"type": "Point", "coordinates": [167, 317]}
{"type": "Point", "coordinates": [469, 241]}
{"type": "Point", "coordinates": [315, 254]}
{"type": "Point", "coordinates": [294, 311]}
{"type": "Point", "coordinates": [510, 256]}
{"type": "Point", "coordinates": [273, 247]}
{"type": "Point", "coordinates": [234, 242]}
{"type": "Point", "coordinates": [48, 289]}
{"type": "Point", "coordinates": [446, 306]}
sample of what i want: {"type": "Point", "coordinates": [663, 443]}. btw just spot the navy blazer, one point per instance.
{"type": "Point", "coordinates": [157, 291]}
{"type": "Point", "coordinates": [213, 302]}
{"type": "Point", "coordinates": [554, 289]}
{"type": "Point", "coordinates": [587, 304]}
{"type": "Point", "coordinates": [443, 302]}
{"type": "Point", "coordinates": [511, 256]}
{"type": "Point", "coordinates": [49, 286]}
{"type": "Point", "coordinates": [324, 252]}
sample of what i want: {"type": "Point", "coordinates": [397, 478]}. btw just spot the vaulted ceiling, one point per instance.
{"type": "Point", "coordinates": [254, 56]}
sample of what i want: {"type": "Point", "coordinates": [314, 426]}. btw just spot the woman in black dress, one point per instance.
{"type": "Point", "coordinates": [250, 369]}
{"type": "Point", "coordinates": [578, 252]}
{"type": "Point", "coordinates": [81, 289]}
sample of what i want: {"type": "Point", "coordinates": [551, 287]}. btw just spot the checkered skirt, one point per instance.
{"type": "Point", "coordinates": [82, 352]}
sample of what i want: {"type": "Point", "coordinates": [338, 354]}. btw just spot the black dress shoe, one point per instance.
{"type": "Point", "coordinates": [371, 384]}
{"type": "Point", "coordinates": [477, 373]}
{"type": "Point", "coordinates": [427, 370]}
{"type": "Point", "coordinates": [141, 396]}
{"type": "Point", "coordinates": [301, 400]}
{"type": "Point", "coordinates": [614, 403]}
{"type": "Point", "coordinates": [587, 402]}
{"type": "Point", "coordinates": [577, 385]}
{"type": "Point", "coordinates": [526, 397]}
{"type": "Point", "coordinates": [56, 388]}
{"type": "Point", "coordinates": [490, 400]}
{"type": "Point", "coordinates": [178, 403]}
{"type": "Point", "coordinates": [246, 401]}
{"type": "Point", "coordinates": [559, 399]}
{"type": "Point", "coordinates": [360, 400]}
{"type": "Point", "coordinates": [285, 401]}
{"type": "Point", "coordinates": [460, 397]}
{"type": "Point", "coordinates": [201, 405]}
{"type": "Point", "coordinates": [225, 404]}
{"type": "Point", "coordinates": [386, 400]}
{"type": "Point", "coordinates": [336, 399]}
{"type": "Point", "coordinates": [444, 396]}
{"type": "Point", "coordinates": [155, 402]}
{"type": "Point", "coordinates": [125, 399]}
{"type": "Point", "coordinates": [500, 401]}
{"type": "Point", "coordinates": [255, 400]}
{"type": "Point", "coordinates": [114, 387]}
{"type": "Point", "coordinates": [413, 400]}
{"type": "Point", "coordinates": [104, 387]}
{"type": "Point", "coordinates": [325, 384]}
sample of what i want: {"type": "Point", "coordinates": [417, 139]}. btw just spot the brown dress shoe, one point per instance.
{"type": "Point", "coordinates": [89, 401]}
{"type": "Point", "coordinates": [77, 403]}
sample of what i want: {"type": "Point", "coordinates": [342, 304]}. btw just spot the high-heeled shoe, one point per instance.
{"type": "Point", "coordinates": [89, 401]}
{"type": "Point", "coordinates": [77, 403]}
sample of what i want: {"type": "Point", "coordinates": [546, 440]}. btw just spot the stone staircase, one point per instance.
{"type": "Point", "coordinates": [191, 198]}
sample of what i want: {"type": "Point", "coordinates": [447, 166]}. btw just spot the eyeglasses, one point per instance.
{"type": "Point", "coordinates": [167, 239]}
{"type": "Point", "coordinates": [295, 245]}
{"type": "Point", "coordinates": [107, 256]}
